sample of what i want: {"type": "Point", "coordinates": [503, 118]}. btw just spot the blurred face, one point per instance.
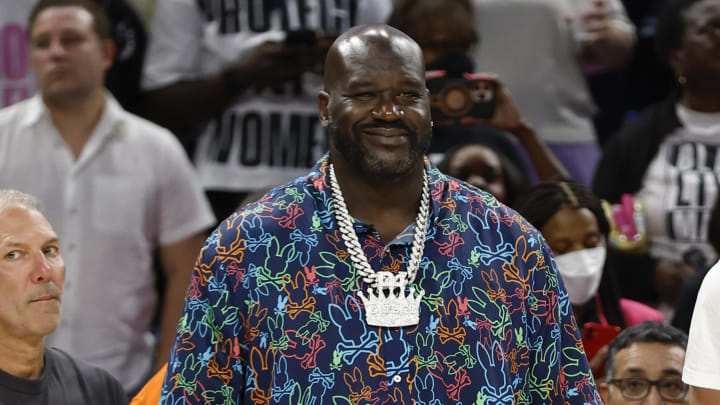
{"type": "Point", "coordinates": [376, 108]}
{"type": "Point", "coordinates": [69, 59]}
{"type": "Point", "coordinates": [650, 361]}
{"type": "Point", "coordinates": [481, 167]}
{"type": "Point", "coordinates": [572, 229]}
{"type": "Point", "coordinates": [699, 58]}
{"type": "Point", "coordinates": [443, 35]}
{"type": "Point", "coordinates": [31, 274]}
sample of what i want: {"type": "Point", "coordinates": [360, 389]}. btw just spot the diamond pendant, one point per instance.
{"type": "Point", "coordinates": [390, 305]}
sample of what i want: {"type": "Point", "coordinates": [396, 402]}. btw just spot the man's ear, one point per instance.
{"type": "Point", "coordinates": [323, 114]}
{"type": "Point", "coordinates": [603, 388]}
{"type": "Point", "coordinates": [108, 49]}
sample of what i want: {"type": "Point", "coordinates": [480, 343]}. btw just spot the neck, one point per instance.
{"type": "Point", "coordinates": [389, 207]}
{"type": "Point", "coordinates": [75, 121]}
{"type": "Point", "coordinates": [702, 101]}
{"type": "Point", "coordinates": [23, 358]}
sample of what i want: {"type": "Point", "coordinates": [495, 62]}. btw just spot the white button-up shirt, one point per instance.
{"type": "Point", "coordinates": [131, 190]}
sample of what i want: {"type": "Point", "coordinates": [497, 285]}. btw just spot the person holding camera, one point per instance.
{"type": "Point", "coordinates": [473, 113]}
{"type": "Point", "coordinates": [542, 48]}
{"type": "Point", "coordinates": [236, 81]}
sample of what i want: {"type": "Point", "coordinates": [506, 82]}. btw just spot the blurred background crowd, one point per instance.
{"type": "Point", "coordinates": [598, 120]}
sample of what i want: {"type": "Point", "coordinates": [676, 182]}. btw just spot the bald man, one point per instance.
{"type": "Point", "coordinates": [375, 278]}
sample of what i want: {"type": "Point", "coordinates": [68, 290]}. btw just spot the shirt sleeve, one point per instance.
{"type": "Point", "coordinates": [560, 373]}
{"type": "Point", "coordinates": [175, 44]}
{"type": "Point", "coordinates": [182, 209]}
{"type": "Point", "coordinates": [207, 363]}
{"type": "Point", "coordinates": [702, 360]}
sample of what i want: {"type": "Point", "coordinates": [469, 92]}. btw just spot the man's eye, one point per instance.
{"type": "Point", "coordinates": [71, 39]}
{"type": "Point", "coordinates": [41, 43]}
{"type": "Point", "coordinates": [51, 250]}
{"type": "Point", "coordinates": [363, 96]}
{"type": "Point", "coordinates": [13, 255]}
{"type": "Point", "coordinates": [410, 94]}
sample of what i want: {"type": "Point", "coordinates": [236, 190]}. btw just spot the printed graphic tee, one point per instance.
{"type": "Point", "coordinates": [680, 188]}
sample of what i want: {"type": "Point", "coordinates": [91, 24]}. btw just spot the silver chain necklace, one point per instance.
{"type": "Point", "coordinates": [384, 307]}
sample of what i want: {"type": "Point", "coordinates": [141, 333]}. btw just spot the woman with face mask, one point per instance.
{"type": "Point", "coordinates": [571, 219]}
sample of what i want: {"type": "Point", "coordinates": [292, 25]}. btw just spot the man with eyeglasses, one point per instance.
{"type": "Point", "coordinates": [644, 366]}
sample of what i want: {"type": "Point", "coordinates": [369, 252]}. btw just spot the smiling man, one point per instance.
{"type": "Point", "coordinates": [375, 278]}
{"type": "Point", "coordinates": [31, 285]}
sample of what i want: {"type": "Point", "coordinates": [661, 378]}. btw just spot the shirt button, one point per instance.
{"type": "Point", "coordinates": [397, 379]}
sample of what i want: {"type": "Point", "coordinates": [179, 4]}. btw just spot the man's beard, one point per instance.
{"type": "Point", "coordinates": [374, 168]}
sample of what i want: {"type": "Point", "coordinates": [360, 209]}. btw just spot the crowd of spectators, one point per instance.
{"type": "Point", "coordinates": [188, 109]}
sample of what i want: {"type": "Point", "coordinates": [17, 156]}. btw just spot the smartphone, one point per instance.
{"type": "Point", "coordinates": [596, 335]}
{"type": "Point", "coordinates": [452, 98]}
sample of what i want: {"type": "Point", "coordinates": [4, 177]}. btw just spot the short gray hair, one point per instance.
{"type": "Point", "coordinates": [14, 197]}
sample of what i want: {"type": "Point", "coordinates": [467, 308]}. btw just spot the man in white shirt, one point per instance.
{"type": "Point", "coordinates": [118, 188]}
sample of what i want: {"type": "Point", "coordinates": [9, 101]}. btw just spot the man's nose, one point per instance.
{"type": "Point", "coordinates": [653, 397]}
{"type": "Point", "coordinates": [387, 110]}
{"type": "Point", "coordinates": [42, 268]}
{"type": "Point", "coordinates": [56, 48]}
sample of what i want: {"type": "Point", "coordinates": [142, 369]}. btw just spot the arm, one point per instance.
{"type": "Point", "coordinates": [184, 105]}
{"type": "Point", "coordinates": [207, 362]}
{"type": "Point", "coordinates": [608, 37]}
{"type": "Point", "coordinates": [703, 396]}
{"type": "Point", "coordinates": [182, 94]}
{"type": "Point", "coordinates": [177, 261]}
{"type": "Point", "coordinates": [507, 118]}
{"type": "Point", "coordinates": [556, 358]}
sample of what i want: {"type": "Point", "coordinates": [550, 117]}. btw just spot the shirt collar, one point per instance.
{"type": "Point", "coordinates": [320, 181]}
{"type": "Point", "coordinates": [37, 111]}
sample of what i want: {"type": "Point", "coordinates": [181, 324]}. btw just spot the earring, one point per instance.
{"type": "Point", "coordinates": [681, 79]}
{"type": "Point", "coordinates": [432, 124]}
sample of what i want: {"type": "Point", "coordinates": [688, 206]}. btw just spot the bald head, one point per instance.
{"type": "Point", "coordinates": [370, 44]}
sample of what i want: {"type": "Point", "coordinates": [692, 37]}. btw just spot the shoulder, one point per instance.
{"type": "Point", "coordinates": [141, 130]}
{"type": "Point", "coordinates": [150, 140]}
{"type": "Point", "coordinates": [472, 202]}
{"type": "Point", "coordinates": [652, 123]}
{"type": "Point", "coordinates": [92, 381]}
{"type": "Point", "coordinates": [13, 114]}
{"type": "Point", "coordinates": [278, 212]}
{"type": "Point", "coordinates": [710, 288]}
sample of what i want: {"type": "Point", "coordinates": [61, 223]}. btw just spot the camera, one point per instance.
{"type": "Point", "coordinates": [470, 94]}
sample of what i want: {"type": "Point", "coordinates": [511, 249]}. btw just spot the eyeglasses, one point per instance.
{"type": "Point", "coordinates": [670, 389]}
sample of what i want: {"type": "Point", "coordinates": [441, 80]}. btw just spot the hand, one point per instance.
{"type": "Point", "coordinates": [606, 41]}
{"type": "Point", "coordinates": [271, 64]}
{"type": "Point", "coordinates": [506, 117]}
{"type": "Point", "coordinates": [669, 275]}
{"type": "Point", "coordinates": [595, 24]}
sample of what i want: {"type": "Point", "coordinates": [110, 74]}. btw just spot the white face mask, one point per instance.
{"type": "Point", "coordinates": [581, 272]}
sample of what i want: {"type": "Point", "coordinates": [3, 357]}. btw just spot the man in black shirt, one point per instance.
{"type": "Point", "coordinates": [31, 278]}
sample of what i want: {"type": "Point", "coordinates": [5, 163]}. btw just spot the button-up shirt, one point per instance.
{"type": "Point", "coordinates": [273, 313]}
{"type": "Point", "coordinates": [131, 190]}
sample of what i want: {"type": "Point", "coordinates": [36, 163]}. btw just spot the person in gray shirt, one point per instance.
{"type": "Point", "coordinates": [31, 279]}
